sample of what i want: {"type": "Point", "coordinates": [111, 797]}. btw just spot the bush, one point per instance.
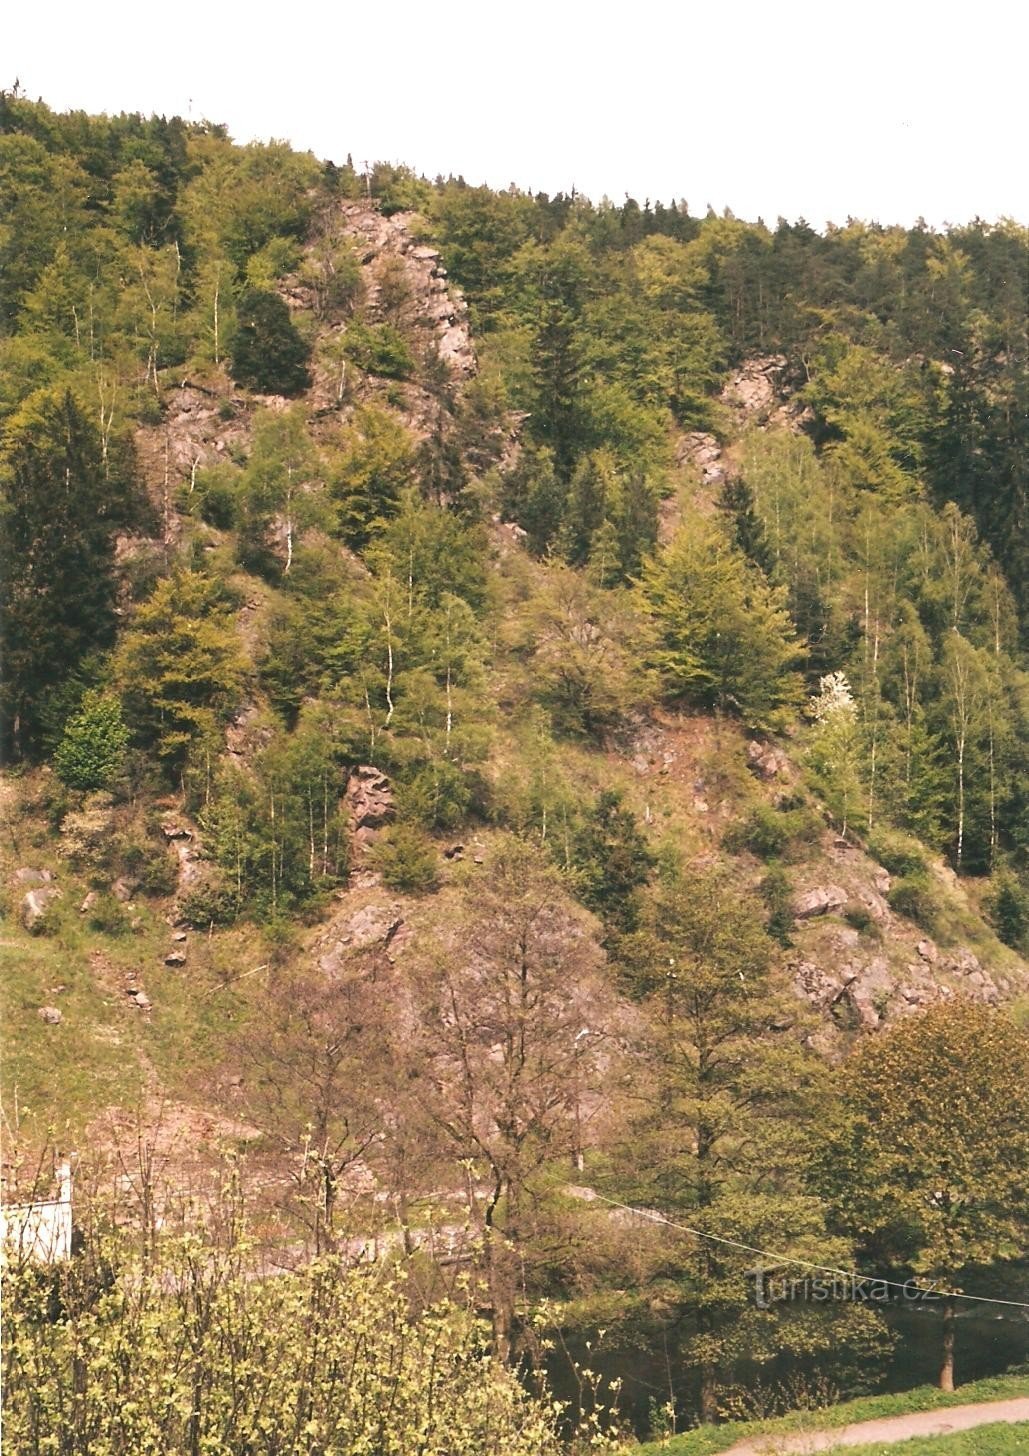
{"type": "Point", "coordinates": [898, 854]}
{"type": "Point", "coordinates": [772, 833]}
{"type": "Point", "coordinates": [1009, 911]}
{"type": "Point", "coordinates": [211, 902]}
{"type": "Point", "coordinates": [860, 919]}
{"type": "Point", "coordinates": [90, 753]}
{"type": "Point", "coordinates": [109, 916]}
{"type": "Point", "coordinates": [777, 893]}
{"type": "Point", "coordinates": [379, 349]}
{"type": "Point", "coordinates": [914, 897]}
{"type": "Point", "coordinates": [406, 859]}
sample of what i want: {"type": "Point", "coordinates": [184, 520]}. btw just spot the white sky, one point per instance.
{"type": "Point", "coordinates": [875, 110]}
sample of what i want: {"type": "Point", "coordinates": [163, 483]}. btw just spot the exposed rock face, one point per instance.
{"type": "Point", "coordinates": [369, 801]}
{"type": "Point", "coordinates": [35, 906]}
{"type": "Point", "coordinates": [182, 836]}
{"type": "Point", "coordinates": [440, 304]}
{"type": "Point", "coordinates": [823, 900]}
{"type": "Point", "coordinates": [755, 387]}
{"type": "Point", "coordinates": [766, 761]}
{"type": "Point", "coordinates": [375, 924]}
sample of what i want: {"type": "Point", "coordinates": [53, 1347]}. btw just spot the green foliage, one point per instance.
{"type": "Point", "coordinates": [224, 1364]}
{"type": "Point", "coordinates": [64, 497]}
{"type": "Point", "coordinates": [725, 637]}
{"type": "Point", "coordinates": [268, 354]}
{"type": "Point", "coordinates": [91, 751]}
{"type": "Point", "coordinates": [773, 833]}
{"type": "Point", "coordinates": [180, 667]}
{"type": "Point", "coordinates": [1009, 912]}
{"type": "Point", "coordinates": [612, 861]}
{"type": "Point", "coordinates": [406, 859]}
{"type": "Point", "coordinates": [367, 478]}
{"type": "Point", "coordinates": [379, 349]}
{"type": "Point", "coordinates": [913, 895]}
{"type": "Point", "coordinates": [899, 855]}
{"type": "Point", "coordinates": [927, 1165]}
{"type": "Point", "coordinates": [109, 916]}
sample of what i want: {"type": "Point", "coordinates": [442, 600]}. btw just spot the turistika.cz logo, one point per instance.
{"type": "Point", "coordinates": [772, 1287]}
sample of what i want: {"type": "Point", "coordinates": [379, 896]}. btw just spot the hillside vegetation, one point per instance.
{"type": "Point", "coordinates": [514, 712]}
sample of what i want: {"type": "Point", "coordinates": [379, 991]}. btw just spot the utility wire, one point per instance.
{"type": "Point", "coordinates": [806, 1263]}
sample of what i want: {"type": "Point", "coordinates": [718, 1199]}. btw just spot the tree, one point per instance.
{"type": "Point", "coordinates": [723, 1088]}
{"type": "Point", "coordinates": [512, 1011]}
{"type": "Point", "coordinates": [278, 482]}
{"type": "Point", "coordinates": [180, 666]}
{"type": "Point", "coordinates": [63, 503]}
{"type": "Point", "coordinates": [725, 637]}
{"type": "Point", "coordinates": [268, 354]}
{"type": "Point", "coordinates": [376, 461]}
{"type": "Point", "coordinates": [927, 1166]}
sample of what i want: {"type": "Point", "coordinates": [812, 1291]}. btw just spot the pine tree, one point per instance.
{"type": "Point", "coordinates": [64, 498]}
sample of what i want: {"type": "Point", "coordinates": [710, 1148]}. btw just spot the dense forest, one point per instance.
{"type": "Point", "coordinates": [536, 688]}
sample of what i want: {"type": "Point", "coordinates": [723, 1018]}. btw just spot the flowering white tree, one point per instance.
{"type": "Point", "coordinates": [834, 755]}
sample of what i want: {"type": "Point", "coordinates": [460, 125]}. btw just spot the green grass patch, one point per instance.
{"type": "Point", "coordinates": [708, 1440]}
{"type": "Point", "coordinates": [996, 1440]}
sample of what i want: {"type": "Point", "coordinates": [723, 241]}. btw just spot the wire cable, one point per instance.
{"type": "Point", "coordinates": [779, 1258]}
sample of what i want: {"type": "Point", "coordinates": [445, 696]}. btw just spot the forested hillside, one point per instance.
{"type": "Point", "coordinates": [515, 710]}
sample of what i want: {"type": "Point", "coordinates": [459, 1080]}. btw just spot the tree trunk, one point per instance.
{"type": "Point", "coordinates": [947, 1362]}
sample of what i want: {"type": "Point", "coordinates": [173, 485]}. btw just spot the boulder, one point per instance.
{"type": "Point", "coordinates": [175, 958]}
{"type": "Point", "coordinates": [88, 902]}
{"type": "Point", "coordinates": [49, 1015]}
{"type": "Point", "coordinates": [374, 924]}
{"type": "Point", "coordinates": [927, 950]}
{"type": "Point", "coordinates": [35, 906]}
{"type": "Point", "coordinates": [823, 900]}
{"type": "Point", "coordinates": [26, 876]}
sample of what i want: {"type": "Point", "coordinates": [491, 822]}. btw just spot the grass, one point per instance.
{"type": "Point", "coordinates": [708, 1440]}
{"type": "Point", "coordinates": [997, 1440]}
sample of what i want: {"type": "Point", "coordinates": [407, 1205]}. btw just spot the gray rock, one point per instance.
{"type": "Point", "coordinates": [26, 876]}
{"type": "Point", "coordinates": [764, 760]}
{"type": "Point", "coordinates": [369, 798]}
{"type": "Point", "coordinates": [35, 905]}
{"type": "Point", "coordinates": [49, 1015]}
{"type": "Point", "coordinates": [927, 950]}
{"type": "Point", "coordinates": [88, 902]}
{"type": "Point", "coordinates": [823, 900]}
{"type": "Point", "coordinates": [175, 958]}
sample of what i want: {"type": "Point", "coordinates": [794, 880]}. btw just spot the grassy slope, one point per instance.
{"type": "Point", "coordinates": [998, 1440]}
{"type": "Point", "coordinates": [708, 1440]}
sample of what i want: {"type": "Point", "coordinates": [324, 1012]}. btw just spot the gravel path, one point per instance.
{"type": "Point", "coordinates": [886, 1428]}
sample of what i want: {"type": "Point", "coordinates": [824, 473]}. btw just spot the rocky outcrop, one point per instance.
{"type": "Point", "coordinates": [368, 799]}
{"type": "Point", "coordinates": [376, 925]}
{"type": "Point", "coordinates": [766, 761]}
{"type": "Point", "coordinates": [35, 906]}
{"type": "Point", "coordinates": [823, 900]}
{"type": "Point", "coordinates": [439, 305]}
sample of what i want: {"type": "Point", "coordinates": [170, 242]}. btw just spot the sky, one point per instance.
{"type": "Point", "coordinates": [886, 112]}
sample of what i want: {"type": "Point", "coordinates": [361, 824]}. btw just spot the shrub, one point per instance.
{"type": "Point", "coordinates": [772, 833]}
{"type": "Point", "coordinates": [210, 902]}
{"type": "Point", "coordinates": [913, 896]}
{"type": "Point", "coordinates": [379, 349]}
{"type": "Point", "coordinates": [898, 854]}
{"type": "Point", "coordinates": [777, 893]}
{"type": "Point", "coordinates": [90, 753]}
{"type": "Point", "coordinates": [109, 916]}
{"type": "Point", "coordinates": [859, 918]}
{"type": "Point", "coordinates": [1009, 911]}
{"type": "Point", "coordinates": [406, 859]}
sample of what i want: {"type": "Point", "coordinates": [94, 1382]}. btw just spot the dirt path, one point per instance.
{"type": "Point", "coordinates": [886, 1428]}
